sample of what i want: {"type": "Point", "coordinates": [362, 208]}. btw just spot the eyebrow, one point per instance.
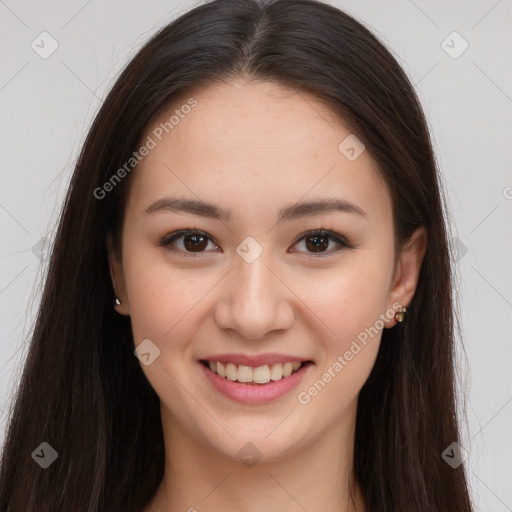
{"type": "Point", "coordinates": [295, 211]}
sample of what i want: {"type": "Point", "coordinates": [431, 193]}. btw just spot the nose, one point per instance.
{"type": "Point", "coordinates": [254, 300]}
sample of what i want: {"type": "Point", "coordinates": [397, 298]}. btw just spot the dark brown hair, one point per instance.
{"type": "Point", "coordinates": [83, 390]}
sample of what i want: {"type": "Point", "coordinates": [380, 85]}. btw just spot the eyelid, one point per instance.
{"type": "Point", "coordinates": [332, 235]}
{"type": "Point", "coordinates": [166, 241]}
{"type": "Point", "coordinates": [340, 239]}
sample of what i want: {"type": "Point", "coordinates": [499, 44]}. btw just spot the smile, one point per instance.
{"type": "Point", "coordinates": [254, 375]}
{"type": "Point", "coordinates": [254, 384]}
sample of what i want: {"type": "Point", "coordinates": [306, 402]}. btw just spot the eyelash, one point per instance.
{"type": "Point", "coordinates": [333, 236]}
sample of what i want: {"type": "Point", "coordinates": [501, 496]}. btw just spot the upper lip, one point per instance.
{"type": "Point", "coordinates": [255, 361]}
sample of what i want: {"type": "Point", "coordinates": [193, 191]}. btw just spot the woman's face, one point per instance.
{"type": "Point", "coordinates": [252, 289]}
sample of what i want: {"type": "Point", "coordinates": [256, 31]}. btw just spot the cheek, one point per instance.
{"type": "Point", "coordinates": [353, 303]}
{"type": "Point", "coordinates": [352, 298]}
{"type": "Point", "coordinates": [161, 298]}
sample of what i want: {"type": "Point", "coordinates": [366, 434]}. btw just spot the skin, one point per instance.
{"type": "Point", "coordinates": [254, 148]}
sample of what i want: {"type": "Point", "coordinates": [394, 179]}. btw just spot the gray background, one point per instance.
{"type": "Point", "coordinates": [47, 106]}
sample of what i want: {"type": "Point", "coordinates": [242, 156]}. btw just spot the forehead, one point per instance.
{"type": "Point", "coordinates": [259, 142]}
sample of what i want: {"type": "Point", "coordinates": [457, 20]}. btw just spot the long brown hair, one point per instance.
{"type": "Point", "coordinates": [82, 389]}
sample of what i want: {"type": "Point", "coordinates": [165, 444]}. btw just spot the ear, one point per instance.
{"type": "Point", "coordinates": [407, 272]}
{"type": "Point", "coordinates": [117, 276]}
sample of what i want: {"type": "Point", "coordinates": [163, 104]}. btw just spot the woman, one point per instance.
{"type": "Point", "coordinates": [248, 303]}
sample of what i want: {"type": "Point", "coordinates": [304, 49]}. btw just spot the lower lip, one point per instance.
{"type": "Point", "coordinates": [255, 394]}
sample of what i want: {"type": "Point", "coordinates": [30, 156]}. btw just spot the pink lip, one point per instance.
{"type": "Point", "coordinates": [254, 361]}
{"type": "Point", "coordinates": [254, 394]}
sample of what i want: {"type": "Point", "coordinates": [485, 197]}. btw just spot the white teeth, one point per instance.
{"type": "Point", "coordinates": [276, 372]}
{"type": "Point", "coordinates": [244, 373]}
{"type": "Point", "coordinates": [287, 369]}
{"type": "Point", "coordinates": [231, 372]}
{"type": "Point", "coordinates": [259, 375]}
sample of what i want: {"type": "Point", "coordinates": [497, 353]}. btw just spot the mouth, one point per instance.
{"type": "Point", "coordinates": [254, 375]}
{"type": "Point", "coordinates": [254, 384]}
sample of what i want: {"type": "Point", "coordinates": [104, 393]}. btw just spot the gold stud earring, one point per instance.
{"type": "Point", "coordinates": [399, 317]}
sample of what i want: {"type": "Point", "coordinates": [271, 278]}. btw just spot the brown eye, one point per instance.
{"type": "Point", "coordinates": [191, 242]}
{"type": "Point", "coordinates": [195, 242]}
{"type": "Point", "coordinates": [318, 242]}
